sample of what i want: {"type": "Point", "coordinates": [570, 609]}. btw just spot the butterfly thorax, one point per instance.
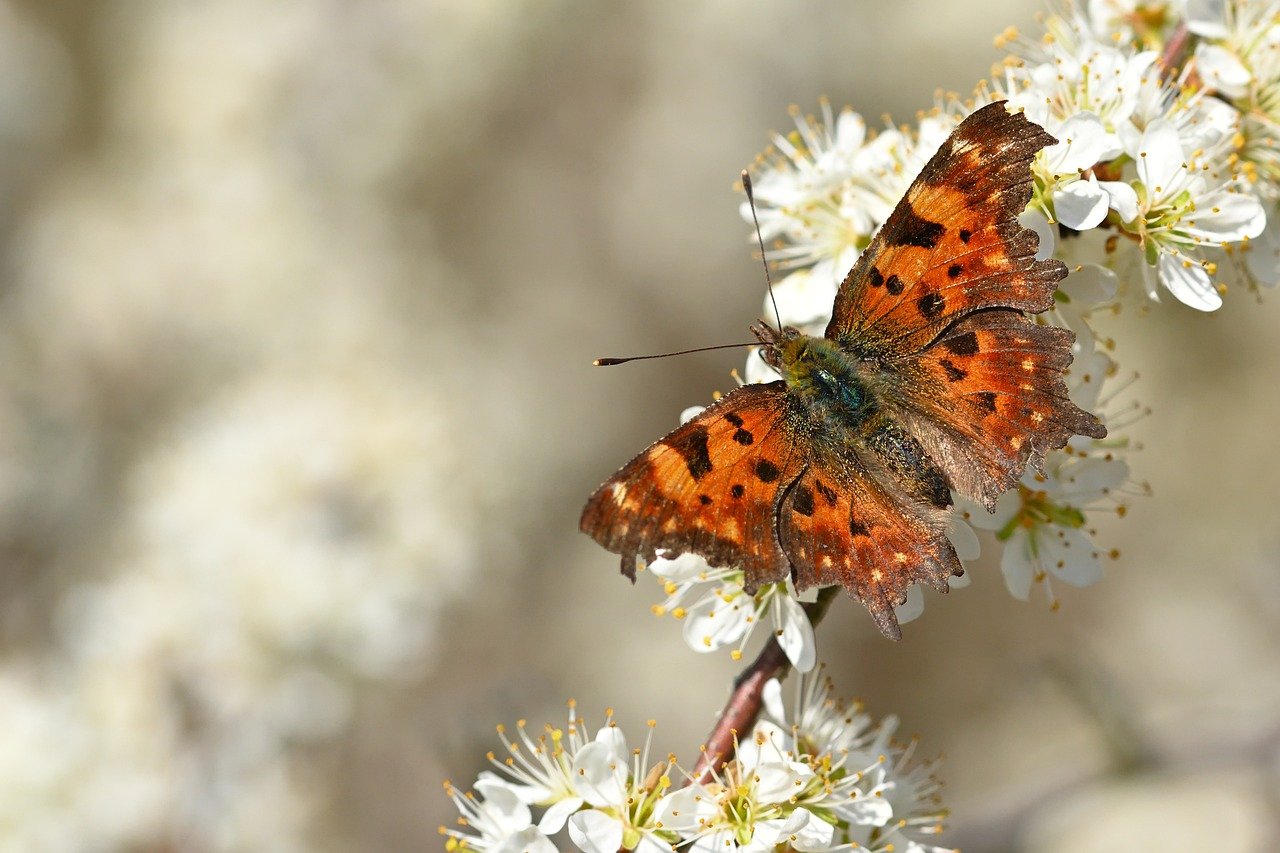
{"type": "Point", "coordinates": [819, 375]}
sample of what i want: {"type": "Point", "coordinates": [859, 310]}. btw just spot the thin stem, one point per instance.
{"type": "Point", "coordinates": [744, 703]}
{"type": "Point", "coordinates": [1174, 50]}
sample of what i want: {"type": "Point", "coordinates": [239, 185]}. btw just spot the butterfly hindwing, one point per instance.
{"type": "Point", "coordinates": [953, 244]}
{"type": "Point", "coordinates": [989, 397]}
{"type": "Point", "coordinates": [840, 523]}
{"type": "Point", "coordinates": [710, 487]}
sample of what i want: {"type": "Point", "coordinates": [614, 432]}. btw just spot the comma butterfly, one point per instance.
{"type": "Point", "coordinates": [930, 377]}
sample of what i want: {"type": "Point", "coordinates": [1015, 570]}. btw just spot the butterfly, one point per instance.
{"type": "Point", "coordinates": [929, 378]}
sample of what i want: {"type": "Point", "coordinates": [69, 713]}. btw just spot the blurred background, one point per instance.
{"type": "Point", "coordinates": [296, 419]}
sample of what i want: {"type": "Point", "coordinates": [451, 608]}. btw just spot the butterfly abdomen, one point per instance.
{"type": "Point", "coordinates": [906, 459]}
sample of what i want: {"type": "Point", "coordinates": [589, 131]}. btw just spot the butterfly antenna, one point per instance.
{"type": "Point", "coordinates": [751, 200]}
{"type": "Point", "coordinates": [606, 362]}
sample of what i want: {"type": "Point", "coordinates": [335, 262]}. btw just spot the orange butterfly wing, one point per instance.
{"type": "Point", "coordinates": [953, 244]}
{"type": "Point", "coordinates": [711, 487]}
{"type": "Point", "coordinates": [840, 523]}
{"type": "Point", "coordinates": [988, 397]}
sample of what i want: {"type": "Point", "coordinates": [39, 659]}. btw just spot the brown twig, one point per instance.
{"type": "Point", "coordinates": [744, 703]}
{"type": "Point", "coordinates": [1172, 55]}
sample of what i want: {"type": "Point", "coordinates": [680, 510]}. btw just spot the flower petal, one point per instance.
{"type": "Point", "coordinates": [1225, 216]}
{"type": "Point", "coordinates": [910, 609]}
{"type": "Point", "coordinates": [685, 568]}
{"type": "Point", "coordinates": [553, 819]}
{"type": "Point", "coordinates": [1159, 157]}
{"type": "Point", "coordinates": [796, 636]}
{"type": "Point", "coordinates": [1087, 480]}
{"type": "Point", "coordinates": [1082, 204]}
{"type": "Point", "coordinates": [1048, 235]}
{"type": "Point", "coordinates": [595, 832]}
{"type": "Point", "coordinates": [778, 781]}
{"type": "Point", "coordinates": [713, 623]}
{"type": "Point", "coordinates": [812, 835]}
{"type": "Point", "coordinates": [613, 738]}
{"type": "Point", "coordinates": [1123, 199]}
{"type": "Point", "coordinates": [527, 840]}
{"type": "Point", "coordinates": [1015, 565]}
{"type": "Point", "coordinates": [683, 811]}
{"type": "Point", "coordinates": [757, 370]}
{"type": "Point", "coordinates": [1090, 284]}
{"type": "Point", "coordinates": [601, 779]}
{"type": "Point", "coordinates": [690, 413]}
{"type": "Point", "coordinates": [1084, 142]}
{"type": "Point", "coordinates": [502, 804]}
{"type": "Point", "coordinates": [1007, 506]}
{"type": "Point", "coordinates": [1222, 70]}
{"type": "Point", "coordinates": [1188, 282]}
{"type": "Point", "coordinates": [767, 744]}
{"type": "Point", "coordinates": [804, 297]}
{"type": "Point", "coordinates": [1263, 254]}
{"type": "Point", "coordinates": [963, 539]}
{"type": "Point", "coordinates": [1070, 555]}
{"type": "Point", "coordinates": [864, 811]}
{"type": "Point", "coordinates": [774, 706]}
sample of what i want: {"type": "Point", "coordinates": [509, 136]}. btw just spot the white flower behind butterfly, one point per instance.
{"type": "Point", "coordinates": [1155, 159]}
{"type": "Point", "coordinates": [718, 613]}
{"type": "Point", "coordinates": [824, 189]}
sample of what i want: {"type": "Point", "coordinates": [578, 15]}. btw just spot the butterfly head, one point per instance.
{"type": "Point", "coordinates": [796, 355]}
{"type": "Point", "coordinates": [778, 347]}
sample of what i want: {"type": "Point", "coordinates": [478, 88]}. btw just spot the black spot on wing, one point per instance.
{"type": "Point", "coordinates": [875, 278]}
{"type": "Point", "coordinates": [954, 270]}
{"type": "Point", "coordinates": [965, 234]}
{"type": "Point", "coordinates": [767, 471]}
{"type": "Point", "coordinates": [828, 493]}
{"type": "Point", "coordinates": [914, 230]}
{"type": "Point", "coordinates": [803, 500]}
{"type": "Point", "coordinates": [705, 499]}
{"type": "Point", "coordinates": [733, 418]}
{"type": "Point", "coordinates": [954, 374]}
{"type": "Point", "coordinates": [893, 285]}
{"type": "Point", "coordinates": [743, 437]}
{"type": "Point", "coordinates": [857, 528]}
{"type": "Point", "coordinates": [987, 400]}
{"type": "Point", "coordinates": [691, 444]}
{"type": "Point", "coordinates": [737, 491]}
{"type": "Point", "coordinates": [931, 304]}
{"type": "Point", "coordinates": [966, 344]}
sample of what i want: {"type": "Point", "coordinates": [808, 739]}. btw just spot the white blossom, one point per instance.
{"type": "Point", "coordinates": [1182, 203]}
{"type": "Point", "coordinates": [718, 613]}
{"type": "Point", "coordinates": [496, 820]}
{"type": "Point", "coordinates": [823, 190]}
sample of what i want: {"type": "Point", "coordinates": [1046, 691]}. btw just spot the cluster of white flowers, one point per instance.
{"type": "Point", "coordinates": [1181, 165]}
{"type": "Point", "coordinates": [816, 777]}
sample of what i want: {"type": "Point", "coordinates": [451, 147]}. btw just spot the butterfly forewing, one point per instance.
{"type": "Point", "coordinates": [953, 244]}
{"type": "Point", "coordinates": [711, 487]}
